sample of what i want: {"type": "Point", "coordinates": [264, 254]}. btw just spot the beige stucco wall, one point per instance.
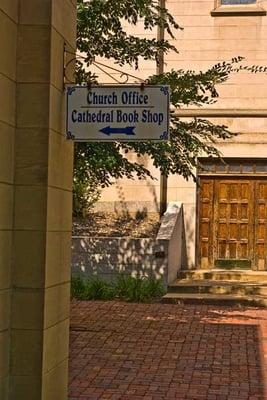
{"type": "Point", "coordinates": [205, 41]}
{"type": "Point", "coordinates": [35, 199]}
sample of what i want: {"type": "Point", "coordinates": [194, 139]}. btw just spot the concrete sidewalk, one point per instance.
{"type": "Point", "coordinates": [157, 352]}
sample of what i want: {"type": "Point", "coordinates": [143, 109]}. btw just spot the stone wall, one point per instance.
{"type": "Point", "coordinates": [160, 257]}
{"type": "Point", "coordinates": [107, 257]}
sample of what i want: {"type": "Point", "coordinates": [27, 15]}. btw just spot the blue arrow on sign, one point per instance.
{"type": "Point", "coordinates": [128, 130]}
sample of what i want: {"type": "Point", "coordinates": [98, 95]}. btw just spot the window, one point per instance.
{"type": "Point", "coordinates": [237, 2]}
{"type": "Point", "coordinates": [237, 8]}
{"type": "Point", "coordinates": [232, 166]}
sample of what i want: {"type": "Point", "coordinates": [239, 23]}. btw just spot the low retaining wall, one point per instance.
{"type": "Point", "coordinates": [159, 257]}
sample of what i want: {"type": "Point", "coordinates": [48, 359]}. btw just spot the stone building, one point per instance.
{"type": "Point", "coordinates": [35, 198]}
{"type": "Point", "coordinates": [225, 214]}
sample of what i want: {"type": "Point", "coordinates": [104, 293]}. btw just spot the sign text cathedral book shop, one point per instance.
{"type": "Point", "coordinates": [109, 113]}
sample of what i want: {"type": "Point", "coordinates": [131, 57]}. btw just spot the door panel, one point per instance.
{"type": "Point", "coordinates": [261, 225]}
{"type": "Point", "coordinates": [206, 223]}
{"type": "Point", "coordinates": [233, 221]}
{"type": "Point", "coordinates": [227, 223]}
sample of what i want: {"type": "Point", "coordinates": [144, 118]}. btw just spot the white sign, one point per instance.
{"type": "Point", "coordinates": [124, 113]}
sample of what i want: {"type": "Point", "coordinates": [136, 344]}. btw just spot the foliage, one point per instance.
{"type": "Point", "coordinates": [127, 288]}
{"type": "Point", "coordinates": [101, 33]}
{"type": "Point", "coordinates": [136, 289]}
{"type": "Point", "coordinates": [131, 289]}
{"type": "Point", "coordinates": [86, 190]}
{"type": "Point", "coordinates": [91, 289]}
{"type": "Point", "coordinates": [77, 287]}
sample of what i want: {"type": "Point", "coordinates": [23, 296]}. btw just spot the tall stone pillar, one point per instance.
{"type": "Point", "coordinates": [8, 44]}
{"type": "Point", "coordinates": [36, 200]}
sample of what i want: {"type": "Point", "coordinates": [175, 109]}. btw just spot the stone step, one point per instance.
{"type": "Point", "coordinates": [223, 275]}
{"type": "Point", "coordinates": [223, 299]}
{"type": "Point", "coordinates": [218, 287]}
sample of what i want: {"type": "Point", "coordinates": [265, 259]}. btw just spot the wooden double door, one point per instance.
{"type": "Point", "coordinates": [232, 223]}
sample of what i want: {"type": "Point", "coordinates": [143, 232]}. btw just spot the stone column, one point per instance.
{"type": "Point", "coordinates": [41, 231]}
{"type": "Point", "coordinates": [8, 40]}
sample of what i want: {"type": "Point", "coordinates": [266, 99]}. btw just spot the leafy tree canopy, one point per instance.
{"type": "Point", "coordinates": [101, 33]}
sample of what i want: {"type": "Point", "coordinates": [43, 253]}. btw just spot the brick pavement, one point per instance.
{"type": "Point", "coordinates": [157, 352]}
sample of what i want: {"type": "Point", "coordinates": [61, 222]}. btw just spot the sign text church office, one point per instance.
{"type": "Point", "coordinates": [118, 113]}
